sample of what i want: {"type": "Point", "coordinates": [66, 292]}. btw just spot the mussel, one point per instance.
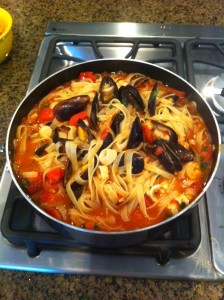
{"type": "Point", "coordinates": [108, 89]}
{"type": "Point", "coordinates": [64, 110]}
{"type": "Point", "coordinates": [136, 134]}
{"type": "Point", "coordinates": [106, 142]}
{"type": "Point", "coordinates": [182, 153]}
{"type": "Point", "coordinates": [86, 129]}
{"type": "Point", "coordinates": [76, 187]}
{"type": "Point", "coordinates": [161, 129]}
{"type": "Point", "coordinates": [68, 172]}
{"type": "Point", "coordinates": [56, 136]}
{"type": "Point", "coordinates": [173, 97]}
{"type": "Point", "coordinates": [81, 153]}
{"type": "Point", "coordinates": [115, 125]}
{"type": "Point", "coordinates": [93, 121]}
{"type": "Point", "coordinates": [137, 163]}
{"type": "Point", "coordinates": [129, 94]}
{"type": "Point", "coordinates": [152, 100]}
{"type": "Point", "coordinates": [165, 155]}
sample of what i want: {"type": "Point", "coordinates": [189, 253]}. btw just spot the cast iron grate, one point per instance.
{"type": "Point", "coordinates": [22, 226]}
{"type": "Point", "coordinates": [64, 51]}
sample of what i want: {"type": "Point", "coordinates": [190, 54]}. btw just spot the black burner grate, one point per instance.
{"type": "Point", "coordinates": [64, 51]}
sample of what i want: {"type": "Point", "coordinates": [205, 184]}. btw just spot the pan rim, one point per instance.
{"type": "Point", "coordinates": [110, 233]}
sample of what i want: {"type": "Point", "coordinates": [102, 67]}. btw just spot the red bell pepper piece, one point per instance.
{"type": "Point", "coordinates": [54, 213]}
{"type": "Point", "coordinates": [87, 75]}
{"type": "Point", "coordinates": [148, 134]}
{"type": "Point", "coordinates": [74, 119]}
{"type": "Point", "coordinates": [46, 115]}
{"type": "Point", "coordinates": [104, 133]}
{"type": "Point", "coordinates": [159, 150]}
{"type": "Point", "coordinates": [55, 175]}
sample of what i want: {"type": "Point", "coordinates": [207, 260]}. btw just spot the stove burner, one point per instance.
{"type": "Point", "coordinates": [214, 94]}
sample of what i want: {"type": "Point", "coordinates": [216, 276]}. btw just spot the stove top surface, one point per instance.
{"type": "Point", "coordinates": [179, 49]}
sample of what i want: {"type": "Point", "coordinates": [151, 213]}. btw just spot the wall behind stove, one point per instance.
{"type": "Point", "coordinates": [30, 20]}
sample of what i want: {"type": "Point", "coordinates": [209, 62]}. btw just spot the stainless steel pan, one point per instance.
{"type": "Point", "coordinates": [98, 238]}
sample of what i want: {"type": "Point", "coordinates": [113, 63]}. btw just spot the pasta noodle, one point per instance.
{"type": "Point", "coordinates": [113, 152]}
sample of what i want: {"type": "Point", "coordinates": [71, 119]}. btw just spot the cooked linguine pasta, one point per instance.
{"type": "Point", "coordinates": [113, 152]}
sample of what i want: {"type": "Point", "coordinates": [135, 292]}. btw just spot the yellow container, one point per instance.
{"type": "Point", "coordinates": [5, 34]}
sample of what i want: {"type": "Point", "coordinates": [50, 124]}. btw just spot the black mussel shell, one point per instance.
{"type": "Point", "coordinates": [137, 163]}
{"type": "Point", "coordinates": [108, 89]}
{"type": "Point", "coordinates": [152, 100]}
{"type": "Point", "coordinates": [129, 94]}
{"type": "Point", "coordinates": [115, 126]}
{"type": "Point", "coordinates": [64, 110]}
{"type": "Point", "coordinates": [136, 134]}
{"type": "Point", "coordinates": [93, 121]}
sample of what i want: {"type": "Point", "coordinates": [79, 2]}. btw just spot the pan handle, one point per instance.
{"type": "Point", "coordinates": [2, 148]}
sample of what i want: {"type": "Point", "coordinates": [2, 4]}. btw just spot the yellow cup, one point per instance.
{"type": "Point", "coordinates": [5, 34]}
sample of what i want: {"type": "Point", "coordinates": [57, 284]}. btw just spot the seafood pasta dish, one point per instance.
{"type": "Point", "coordinates": [113, 152]}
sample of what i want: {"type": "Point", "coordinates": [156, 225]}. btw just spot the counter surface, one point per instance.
{"type": "Point", "coordinates": [30, 19]}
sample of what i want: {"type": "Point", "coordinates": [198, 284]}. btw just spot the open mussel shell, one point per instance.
{"type": "Point", "coordinates": [108, 89]}
{"type": "Point", "coordinates": [129, 94]}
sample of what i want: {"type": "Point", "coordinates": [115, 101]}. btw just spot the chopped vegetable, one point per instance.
{"type": "Point", "coordinates": [148, 134]}
{"type": "Point", "coordinates": [33, 184]}
{"type": "Point", "coordinates": [96, 227]}
{"type": "Point", "coordinates": [104, 133]}
{"type": "Point", "coordinates": [159, 150]}
{"type": "Point", "coordinates": [204, 165]}
{"type": "Point", "coordinates": [170, 90]}
{"type": "Point", "coordinates": [46, 115]}
{"type": "Point", "coordinates": [55, 175]}
{"type": "Point", "coordinates": [87, 75]}
{"type": "Point", "coordinates": [206, 154]}
{"type": "Point", "coordinates": [54, 213]}
{"type": "Point", "coordinates": [182, 205]}
{"type": "Point", "coordinates": [74, 119]}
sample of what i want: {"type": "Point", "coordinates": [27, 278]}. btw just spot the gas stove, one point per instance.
{"type": "Point", "coordinates": [193, 246]}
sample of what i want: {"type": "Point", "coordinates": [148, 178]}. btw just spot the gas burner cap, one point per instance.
{"type": "Point", "coordinates": [214, 94]}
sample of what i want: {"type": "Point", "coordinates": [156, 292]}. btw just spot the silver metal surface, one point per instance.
{"type": "Point", "coordinates": [215, 204]}
{"type": "Point", "coordinates": [211, 91]}
{"type": "Point", "coordinates": [181, 32]}
{"type": "Point", "coordinates": [214, 93]}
